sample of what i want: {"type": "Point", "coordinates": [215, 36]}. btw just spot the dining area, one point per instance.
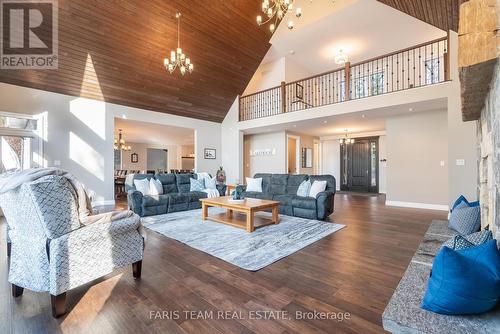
{"type": "Point", "coordinates": [121, 174]}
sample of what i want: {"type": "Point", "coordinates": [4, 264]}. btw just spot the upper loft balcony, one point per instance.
{"type": "Point", "coordinates": [417, 66]}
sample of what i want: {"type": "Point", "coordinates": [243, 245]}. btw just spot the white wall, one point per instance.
{"type": "Point", "coordinates": [275, 163]}
{"type": "Point", "coordinates": [330, 159]}
{"type": "Point", "coordinates": [268, 75]}
{"type": "Point", "coordinates": [80, 133]}
{"type": "Point", "coordinates": [232, 146]}
{"type": "Point", "coordinates": [462, 139]}
{"type": "Point", "coordinates": [417, 155]}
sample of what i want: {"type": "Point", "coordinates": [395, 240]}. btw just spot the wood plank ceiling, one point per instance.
{"type": "Point", "coordinates": [439, 13]}
{"type": "Point", "coordinates": [113, 50]}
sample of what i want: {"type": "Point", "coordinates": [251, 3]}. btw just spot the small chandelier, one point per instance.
{"type": "Point", "coordinates": [341, 58]}
{"type": "Point", "coordinates": [177, 58]}
{"type": "Point", "coordinates": [119, 144]}
{"type": "Point", "coordinates": [277, 9]}
{"type": "Point", "coordinates": [346, 139]}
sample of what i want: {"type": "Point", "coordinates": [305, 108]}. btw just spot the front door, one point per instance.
{"type": "Point", "coordinates": [359, 165]}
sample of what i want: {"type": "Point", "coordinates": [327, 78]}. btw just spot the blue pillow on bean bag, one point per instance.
{"type": "Point", "coordinates": [465, 219]}
{"type": "Point", "coordinates": [464, 281]}
{"type": "Point", "coordinates": [459, 242]}
{"type": "Point", "coordinates": [462, 199]}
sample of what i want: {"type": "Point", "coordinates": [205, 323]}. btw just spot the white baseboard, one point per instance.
{"type": "Point", "coordinates": [418, 205]}
{"type": "Point", "coordinates": [103, 203]}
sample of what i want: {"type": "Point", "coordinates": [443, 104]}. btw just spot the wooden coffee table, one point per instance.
{"type": "Point", "coordinates": [240, 214]}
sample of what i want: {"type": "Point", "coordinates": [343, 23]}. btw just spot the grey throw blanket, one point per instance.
{"type": "Point", "coordinates": [11, 181]}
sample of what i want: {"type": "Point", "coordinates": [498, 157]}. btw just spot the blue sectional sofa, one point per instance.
{"type": "Point", "coordinates": [283, 188]}
{"type": "Point", "coordinates": [176, 195]}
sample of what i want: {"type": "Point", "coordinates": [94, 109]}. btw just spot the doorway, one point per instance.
{"type": "Point", "coordinates": [293, 154]}
{"type": "Point", "coordinates": [359, 165]}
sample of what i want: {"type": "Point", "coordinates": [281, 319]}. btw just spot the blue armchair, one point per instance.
{"type": "Point", "coordinates": [52, 251]}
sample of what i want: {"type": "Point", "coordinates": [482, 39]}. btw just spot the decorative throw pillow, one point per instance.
{"type": "Point", "coordinates": [465, 219]}
{"type": "Point", "coordinates": [142, 186]}
{"type": "Point", "coordinates": [304, 188]}
{"type": "Point", "coordinates": [210, 183]}
{"type": "Point", "coordinates": [465, 281]}
{"type": "Point", "coordinates": [459, 242]}
{"type": "Point", "coordinates": [462, 199]}
{"type": "Point", "coordinates": [197, 185]}
{"type": "Point", "coordinates": [155, 187]}
{"type": "Point", "coordinates": [316, 188]}
{"type": "Point", "coordinates": [254, 184]}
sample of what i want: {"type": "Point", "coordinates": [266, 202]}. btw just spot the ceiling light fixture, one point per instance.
{"type": "Point", "coordinates": [346, 139]}
{"type": "Point", "coordinates": [119, 144]}
{"type": "Point", "coordinates": [177, 57]}
{"type": "Point", "coordinates": [277, 9]}
{"type": "Point", "coordinates": [341, 57]}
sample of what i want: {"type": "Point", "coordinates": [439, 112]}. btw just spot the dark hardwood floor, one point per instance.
{"type": "Point", "coordinates": [354, 271]}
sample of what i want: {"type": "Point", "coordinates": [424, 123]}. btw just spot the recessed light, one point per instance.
{"type": "Point", "coordinates": [363, 116]}
{"type": "Point", "coordinates": [325, 122]}
{"type": "Point", "coordinates": [411, 109]}
{"type": "Point", "coordinates": [292, 52]}
{"type": "Point", "coordinates": [295, 125]}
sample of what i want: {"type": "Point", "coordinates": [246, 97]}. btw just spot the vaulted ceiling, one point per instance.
{"type": "Point", "coordinates": [440, 13]}
{"type": "Point", "coordinates": [114, 50]}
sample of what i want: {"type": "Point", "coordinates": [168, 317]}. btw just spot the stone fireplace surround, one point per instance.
{"type": "Point", "coordinates": [489, 157]}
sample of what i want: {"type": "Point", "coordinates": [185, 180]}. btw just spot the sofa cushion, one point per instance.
{"type": "Point", "coordinates": [143, 186]}
{"type": "Point", "coordinates": [194, 196]}
{"type": "Point", "coordinates": [266, 181]}
{"type": "Point", "coordinates": [330, 181]}
{"type": "Point", "coordinates": [255, 194]}
{"type": "Point", "coordinates": [178, 202]}
{"type": "Point", "coordinates": [154, 205]}
{"type": "Point", "coordinates": [278, 184]}
{"type": "Point", "coordinates": [183, 182]}
{"type": "Point", "coordinates": [168, 182]}
{"type": "Point", "coordinates": [283, 199]}
{"type": "Point", "coordinates": [465, 220]}
{"type": "Point", "coordinates": [294, 182]}
{"type": "Point", "coordinates": [304, 202]}
{"type": "Point", "coordinates": [465, 281]}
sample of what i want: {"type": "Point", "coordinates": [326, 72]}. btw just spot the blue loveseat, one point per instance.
{"type": "Point", "coordinates": [176, 195]}
{"type": "Point", "coordinates": [283, 188]}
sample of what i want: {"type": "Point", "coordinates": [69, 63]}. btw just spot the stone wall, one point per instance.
{"type": "Point", "coordinates": [489, 162]}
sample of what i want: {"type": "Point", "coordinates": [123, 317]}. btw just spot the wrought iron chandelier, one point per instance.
{"type": "Point", "coordinates": [177, 58]}
{"type": "Point", "coordinates": [346, 139]}
{"type": "Point", "coordinates": [119, 144]}
{"type": "Point", "coordinates": [277, 9]}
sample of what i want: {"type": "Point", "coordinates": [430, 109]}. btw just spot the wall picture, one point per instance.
{"type": "Point", "coordinates": [134, 158]}
{"type": "Point", "coordinates": [210, 153]}
{"type": "Point", "coordinates": [299, 91]}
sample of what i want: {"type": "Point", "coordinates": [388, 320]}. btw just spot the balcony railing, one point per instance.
{"type": "Point", "coordinates": [421, 65]}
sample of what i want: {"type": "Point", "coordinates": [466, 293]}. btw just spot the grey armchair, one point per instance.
{"type": "Point", "coordinates": [52, 251]}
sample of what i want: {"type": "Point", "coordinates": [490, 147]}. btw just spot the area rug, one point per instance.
{"type": "Point", "coordinates": [250, 251]}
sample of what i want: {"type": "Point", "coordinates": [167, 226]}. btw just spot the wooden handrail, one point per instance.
{"type": "Point", "coordinates": [437, 40]}
{"type": "Point", "coordinates": [336, 84]}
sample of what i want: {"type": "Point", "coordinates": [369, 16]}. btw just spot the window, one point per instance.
{"type": "Point", "coordinates": [20, 146]}
{"type": "Point", "coordinates": [432, 71]}
{"type": "Point", "coordinates": [368, 85]}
